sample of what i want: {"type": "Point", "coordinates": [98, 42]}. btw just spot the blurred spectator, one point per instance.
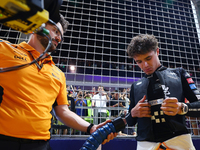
{"type": "Point", "coordinates": [116, 101]}
{"type": "Point", "coordinates": [71, 62]}
{"type": "Point", "coordinates": [117, 66]}
{"type": "Point", "coordinates": [130, 66]}
{"type": "Point", "coordinates": [80, 62]}
{"type": "Point", "coordinates": [73, 91]}
{"type": "Point", "coordinates": [68, 87]}
{"type": "Point", "coordinates": [105, 65]}
{"type": "Point", "coordinates": [95, 65]}
{"type": "Point", "coordinates": [98, 64]}
{"type": "Point", "coordinates": [79, 92]}
{"type": "Point", "coordinates": [122, 67]}
{"type": "Point", "coordinates": [113, 66]}
{"type": "Point", "coordinates": [100, 100]}
{"type": "Point", "coordinates": [125, 97]}
{"type": "Point", "coordinates": [89, 111]}
{"type": "Point", "coordinates": [93, 91]}
{"type": "Point", "coordinates": [80, 102]}
{"type": "Point", "coordinates": [89, 63]}
{"type": "Point", "coordinates": [111, 95]}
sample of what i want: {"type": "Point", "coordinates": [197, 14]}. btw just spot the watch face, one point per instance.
{"type": "Point", "coordinates": [184, 109]}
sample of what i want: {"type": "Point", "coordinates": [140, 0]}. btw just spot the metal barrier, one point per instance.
{"type": "Point", "coordinates": [59, 129]}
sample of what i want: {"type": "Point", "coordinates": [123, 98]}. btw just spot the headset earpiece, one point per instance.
{"type": "Point", "coordinates": [42, 30]}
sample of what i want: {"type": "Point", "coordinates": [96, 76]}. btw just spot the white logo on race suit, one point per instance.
{"type": "Point", "coordinates": [198, 97]}
{"type": "Point", "coordinates": [187, 75]}
{"type": "Point", "coordinates": [138, 83]}
{"type": "Point", "coordinates": [166, 90]}
{"type": "Point", "coordinates": [172, 75]}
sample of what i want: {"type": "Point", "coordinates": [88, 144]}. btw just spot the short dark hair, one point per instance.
{"type": "Point", "coordinates": [100, 86]}
{"type": "Point", "coordinates": [142, 44]}
{"type": "Point", "coordinates": [64, 23]}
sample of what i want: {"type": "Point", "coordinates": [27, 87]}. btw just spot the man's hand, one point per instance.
{"type": "Point", "coordinates": [142, 109]}
{"type": "Point", "coordinates": [111, 136]}
{"type": "Point", "coordinates": [171, 106]}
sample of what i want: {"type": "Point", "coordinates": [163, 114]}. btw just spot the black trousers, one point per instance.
{"type": "Point", "coordinates": [10, 143]}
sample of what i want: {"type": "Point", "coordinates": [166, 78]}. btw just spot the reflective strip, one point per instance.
{"type": "Point", "coordinates": [156, 102]}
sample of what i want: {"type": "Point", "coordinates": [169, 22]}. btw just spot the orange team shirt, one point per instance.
{"type": "Point", "coordinates": [28, 93]}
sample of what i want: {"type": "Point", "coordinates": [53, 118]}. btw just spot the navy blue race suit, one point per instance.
{"type": "Point", "coordinates": [163, 83]}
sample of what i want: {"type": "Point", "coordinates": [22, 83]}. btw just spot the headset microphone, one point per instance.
{"type": "Point", "coordinates": [29, 16]}
{"type": "Point", "coordinates": [25, 16]}
{"type": "Point", "coordinates": [42, 30]}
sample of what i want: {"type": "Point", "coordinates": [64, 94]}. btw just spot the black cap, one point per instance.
{"type": "Point", "coordinates": [53, 7]}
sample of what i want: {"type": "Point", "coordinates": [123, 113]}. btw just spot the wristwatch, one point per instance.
{"type": "Point", "coordinates": [184, 109]}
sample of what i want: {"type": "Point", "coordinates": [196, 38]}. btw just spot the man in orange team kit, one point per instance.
{"type": "Point", "coordinates": [27, 94]}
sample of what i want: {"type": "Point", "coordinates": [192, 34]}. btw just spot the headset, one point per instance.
{"type": "Point", "coordinates": [29, 16]}
{"type": "Point", "coordinates": [25, 15]}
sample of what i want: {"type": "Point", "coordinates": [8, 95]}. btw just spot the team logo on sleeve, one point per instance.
{"type": "Point", "coordinates": [189, 80]}
{"type": "Point", "coordinates": [193, 86]}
